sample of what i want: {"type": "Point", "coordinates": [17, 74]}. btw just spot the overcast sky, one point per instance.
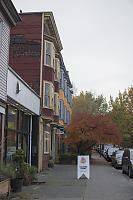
{"type": "Point", "coordinates": [97, 38]}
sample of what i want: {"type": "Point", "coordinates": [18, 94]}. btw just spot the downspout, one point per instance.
{"type": "Point", "coordinates": [30, 138]}
{"type": "Point", "coordinates": [40, 120]}
{"type": "Point", "coordinates": [42, 47]}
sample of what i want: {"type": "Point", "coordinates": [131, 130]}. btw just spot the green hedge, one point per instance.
{"type": "Point", "coordinates": [68, 158]}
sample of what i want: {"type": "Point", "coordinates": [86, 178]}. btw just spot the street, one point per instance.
{"type": "Point", "coordinates": [60, 183]}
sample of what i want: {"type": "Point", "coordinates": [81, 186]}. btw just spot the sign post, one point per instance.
{"type": "Point", "coordinates": [83, 166]}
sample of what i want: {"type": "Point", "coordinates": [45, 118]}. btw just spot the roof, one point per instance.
{"type": "Point", "coordinates": [9, 11]}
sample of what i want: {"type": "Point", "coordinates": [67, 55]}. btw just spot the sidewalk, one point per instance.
{"type": "Point", "coordinates": [59, 183]}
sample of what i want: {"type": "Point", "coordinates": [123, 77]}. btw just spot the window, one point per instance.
{"type": "Point", "coordinates": [46, 142]}
{"type": "Point", "coordinates": [56, 104]}
{"type": "Point", "coordinates": [0, 34]}
{"type": "Point", "coordinates": [48, 95]}
{"type": "Point", "coordinates": [49, 54]}
{"type": "Point", "coordinates": [61, 110]}
{"type": "Point", "coordinates": [57, 69]}
{"type": "Point", "coordinates": [61, 79]}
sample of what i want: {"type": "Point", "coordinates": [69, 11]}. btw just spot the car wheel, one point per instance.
{"type": "Point", "coordinates": [130, 174]}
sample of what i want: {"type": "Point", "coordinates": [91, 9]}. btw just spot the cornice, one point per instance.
{"type": "Point", "coordinates": [50, 18]}
{"type": "Point", "coordinates": [9, 12]}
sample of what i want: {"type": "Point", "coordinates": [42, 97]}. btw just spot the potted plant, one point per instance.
{"type": "Point", "coordinates": [20, 169]}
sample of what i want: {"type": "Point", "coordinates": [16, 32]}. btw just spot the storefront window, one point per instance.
{"type": "Point", "coordinates": [11, 144]}
{"type": "Point", "coordinates": [11, 136]}
{"type": "Point", "coordinates": [12, 118]}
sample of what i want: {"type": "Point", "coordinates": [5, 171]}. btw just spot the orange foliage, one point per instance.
{"type": "Point", "coordinates": [91, 130]}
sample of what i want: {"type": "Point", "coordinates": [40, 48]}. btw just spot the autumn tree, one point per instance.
{"type": "Point", "coordinates": [86, 130]}
{"type": "Point", "coordinates": [122, 115]}
{"type": "Point", "coordinates": [88, 103]}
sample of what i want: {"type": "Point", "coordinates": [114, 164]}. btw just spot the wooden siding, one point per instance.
{"type": "Point", "coordinates": [4, 55]}
{"type": "Point", "coordinates": [25, 50]}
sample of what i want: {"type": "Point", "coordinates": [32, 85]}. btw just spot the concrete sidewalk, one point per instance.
{"type": "Point", "coordinates": [59, 183]}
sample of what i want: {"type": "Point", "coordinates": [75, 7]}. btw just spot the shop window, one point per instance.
{"type": "Point", "coordinates": [11, 144]}
{"type": "Point", "coordinates": [46, 142]}
{"type": "Point", "coordinates": [12, 118]}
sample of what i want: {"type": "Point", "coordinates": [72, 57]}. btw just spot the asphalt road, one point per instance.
{"type": "Point", "coordinates": [105, 183]}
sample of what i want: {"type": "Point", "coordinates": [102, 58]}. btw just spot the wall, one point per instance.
{"type": "Point", "coordinates": [26, 97]}
{"type": "Point", "coordinates": [4, 59]}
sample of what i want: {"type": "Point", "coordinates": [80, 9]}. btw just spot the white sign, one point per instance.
{"type": "Point", "coordinates": [83, 166]}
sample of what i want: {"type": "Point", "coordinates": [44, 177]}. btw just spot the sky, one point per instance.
{"type": "Point", "coordinates": [97, 39]}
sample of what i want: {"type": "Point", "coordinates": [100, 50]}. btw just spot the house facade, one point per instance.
{"type": "Point", "coordinates": [65, 107]}
{"type": "Point", "coordinates": [35, 54]}
{"type": "Point", "coordinates": [8, 19]}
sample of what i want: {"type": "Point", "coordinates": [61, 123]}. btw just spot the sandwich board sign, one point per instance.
{"type": "Point", "coordinates": [83, 166]}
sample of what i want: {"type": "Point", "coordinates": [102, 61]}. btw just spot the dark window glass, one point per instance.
{"type": "Point", "coordinates": [11, 144]}
{"type": "Point", "coordinates": [12, 118]}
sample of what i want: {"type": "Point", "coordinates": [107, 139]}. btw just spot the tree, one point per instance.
{"type": "Point", "coordinates": [86, 130]}
{"type": "Point", "coordinates": [122, 114]}
{"type": "Point", "coordinates": [88, 103]}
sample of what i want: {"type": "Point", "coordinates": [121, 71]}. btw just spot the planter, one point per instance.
{"type": "Point", "coordinates": [5, 187]}
{"type": "Point", "coordinates": [16, 184]}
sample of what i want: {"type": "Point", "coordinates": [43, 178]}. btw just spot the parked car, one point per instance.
{"type": "Point", "coordinates": [117, 158]}
{"type": "Point", "coordinates": [110, 152]}
{"type": "Point", "coordinates": [127, 162]}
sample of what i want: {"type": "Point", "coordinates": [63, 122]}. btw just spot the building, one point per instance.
{"type": "Point", "coordinates": [65, 108]}
{"type": "Point", "coordinates": [8, 19]}
{"type": "Point", "coordinates": [35, 54]}
{"type": "Point", "coordinates": [22, 119]}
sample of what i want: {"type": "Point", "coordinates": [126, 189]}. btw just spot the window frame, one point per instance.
{"type": "Point", "coordinates": [46, 141]}
{"type": "Point", "coordinates": [57, 69]}
{"type": "Point", "coordinates": [56, 104]}
{"type": "Point", "coordinates": [52, 54]}
{"type": "Point", "coordinates": [51, 95]}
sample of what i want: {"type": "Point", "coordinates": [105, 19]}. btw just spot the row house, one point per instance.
{"type": "Point", "coordinates": [19, 104]}
{"type": "Point", "coordinates": [35, 54]}
{"type": "Point", "coordinates": [65, 107]}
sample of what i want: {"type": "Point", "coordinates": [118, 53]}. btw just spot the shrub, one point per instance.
{"type": "Point", "coordinates": [68, 158]}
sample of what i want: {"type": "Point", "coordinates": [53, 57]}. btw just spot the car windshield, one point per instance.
{"type": "Point", "coordinates": [119, 154]}
{"type": "Point", "coordinates": [131, 155]}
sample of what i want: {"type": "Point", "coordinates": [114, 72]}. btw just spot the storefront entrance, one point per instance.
{"type": "Point", "coordinates": [17, 133]}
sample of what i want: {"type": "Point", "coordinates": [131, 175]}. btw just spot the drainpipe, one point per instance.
{"type": "Point", "coordinates": [30, 138]}
{"type": "Point", "coordinates": [42, 47]}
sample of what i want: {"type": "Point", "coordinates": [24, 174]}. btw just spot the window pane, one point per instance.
{"type": "Point", "coordinates": [11, 144]}
{"type": "Point", "coordinates": [47, 95]}
{"type": "Point", "coordinates": [12, 118]}
{"type": "Point", "coordinates": [48, 48]}
{"type": "Point", "coordinates": [48, 59]}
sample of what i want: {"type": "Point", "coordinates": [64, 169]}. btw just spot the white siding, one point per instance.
{"type": "Point", "coordinates": [26, 97]}
{"type": "Point", "coordinates": [4, 55]}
